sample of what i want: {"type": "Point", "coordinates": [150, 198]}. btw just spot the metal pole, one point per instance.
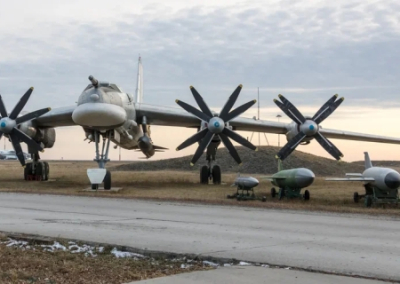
{"type": "Point", "coordinates": [279, 140]}
{"type": "Point", "coordinates": [258, 113]}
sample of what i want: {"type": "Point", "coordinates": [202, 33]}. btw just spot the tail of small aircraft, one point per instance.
{"type": "Point", "coordinates": [367, 161]}
{"type": "Point", "coordinates": [139, 84]}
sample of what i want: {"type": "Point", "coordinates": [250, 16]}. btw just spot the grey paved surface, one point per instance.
{"type": "Point", "coordinates": [338, 243]}
{"type": "Point", "coordinates": [246, 275]}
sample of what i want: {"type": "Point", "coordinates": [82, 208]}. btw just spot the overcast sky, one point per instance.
{"type": "Point", "coordinates": [306, 50]}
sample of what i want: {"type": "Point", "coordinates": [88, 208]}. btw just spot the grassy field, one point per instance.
{"type": "Point", "coordinates": [69, 177]}
{"type": "Point", "coordinates": [32, 263]}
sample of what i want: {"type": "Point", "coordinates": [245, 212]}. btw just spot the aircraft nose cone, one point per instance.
{"type": "Point", "coordinates": [392, 180]}
{"type": "Point", "coordinates": [99, 115]}
{"type": "Point", "coordinates": [253, 182]}
{"type": "Point", "coordinates": [304, 177]}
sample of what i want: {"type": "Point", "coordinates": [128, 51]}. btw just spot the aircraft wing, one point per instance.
{"type": "Point", "coordinates": [347, 135]}
{"type": "Point", "coordinates": [268, 178]}
{"type": "Point", "coordinates": [351, 179]}
{"type": "Point", "coordinates": [56, 117]}
{"type": "Point", "coordinates": [170, 116]}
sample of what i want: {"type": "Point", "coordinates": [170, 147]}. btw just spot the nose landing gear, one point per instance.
{"type": "Point", "coordinates": [101, 175]}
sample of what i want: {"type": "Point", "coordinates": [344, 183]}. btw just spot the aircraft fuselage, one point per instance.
{"type": "Point", "coordinates": [106, 108]}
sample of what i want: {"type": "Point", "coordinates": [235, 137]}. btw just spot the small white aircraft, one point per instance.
{"type": "Point", "coordinates": [107, 114]}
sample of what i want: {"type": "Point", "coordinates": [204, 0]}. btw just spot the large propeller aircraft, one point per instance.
{"type": "Point", "coordinates": [107, 114]}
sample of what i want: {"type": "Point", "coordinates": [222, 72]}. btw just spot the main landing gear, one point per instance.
{"type": "Point", "coordinates": [36, 170]}
{"type": "Point", "coordinates": [211, 172]}
{"type": "Point", "coordinates": [101, 175]}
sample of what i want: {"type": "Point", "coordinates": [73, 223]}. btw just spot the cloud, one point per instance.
{"type": "Point", "coordinates": [307, 51]}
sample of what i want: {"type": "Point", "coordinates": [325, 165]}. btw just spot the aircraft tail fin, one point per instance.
{"type": "Point", "coordinates": [367, 161]}
{"type": "Point", "coordinates": [139, 84]}
{"type": "Point", "coordinates": [280, 166]}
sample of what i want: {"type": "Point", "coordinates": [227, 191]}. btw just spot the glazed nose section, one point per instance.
{"type": "Point", "coordinates": [392, 180]}
{"type": "Point", "coordinates": [99, 115]}
{"type": "Point", "coordinates": [304, 177]}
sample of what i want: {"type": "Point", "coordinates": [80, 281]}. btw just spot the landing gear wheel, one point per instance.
{"type": "Point", "coordinates": [39, 171]}
{"type": "Point", "coordinates": [107, 181]}
{"type": "Point", "coordinates": [368, 201]}
{"type": "Point", "coordinates": [356, 197]}
{"type": "Point", "coordinates": [273, 192]}
{"type": "Point", "coordinates": [204, 175]}
{"type": "Point", "coordinates": [27, 170]}
{"type": "Point", "coordinates": [281, 194]}
{"type": "Point", "coordinates": [216, 174]}
{"type": "Point", "coordinates": [46, 170]}
{"type": "Point", "coordinates": [95, 186]}
{"type": "Point", "coordinates": [306, 195]}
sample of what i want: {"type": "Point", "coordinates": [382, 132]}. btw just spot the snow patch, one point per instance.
{"type": "Point", "coordinates": [54, 247]}
{"type": "Point", "coordinates": [209, 263]}
{"type": "Point", "coordinates": [123, 254]}
{"type": "Point", "coordinates": [243, 263]}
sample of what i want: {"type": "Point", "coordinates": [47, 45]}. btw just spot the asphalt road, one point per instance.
{"type": "Point", "coordinates": [346, 244]}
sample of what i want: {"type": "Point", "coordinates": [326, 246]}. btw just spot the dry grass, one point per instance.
{"type": "Point", "coordinates": [37, 266]}
{"type": "Point", "coordinates": [68, 177]}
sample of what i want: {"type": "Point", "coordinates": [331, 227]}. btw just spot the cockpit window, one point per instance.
{"type": "Point", "coordinates": [108, 87]}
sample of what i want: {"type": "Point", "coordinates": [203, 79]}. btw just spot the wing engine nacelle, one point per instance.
{"type": "Point", "coordinates": [293, 131]}
{"type": "Point", "coordinates": [46, 136]}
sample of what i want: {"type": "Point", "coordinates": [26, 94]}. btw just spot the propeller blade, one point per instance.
{"type": "Point", "coordinates": [193, 111]}
{"type": "Point", "coordinates": [3, 111]}
{"type": "Point", "coordinates": [18, 134]}
{"type": "Point", "coordinates": [204, 143]}
{"type": "Point", "coordinates": [325, 105]}
{"type": "Point", "coordinates": [327, 109]}
{"type": "Point", "coordinates": [290, 146]}
{"type": "Point", "coordinates": [20, 105]}
{"type": "Point", "coordinates": [230, 102]}
{"type": "Point", "coordinates": [228, 144]}
{"type": "Point", "coordinates": [328, 146]}
{"type": "Point", "coordinates": [32, 115]}
{"type": "Point", "coordinates": [17, 148]}
{"type": "Point", "coordinates": [193, 139]}
{"type": "Point", "coordinates": [238, 111]}
{"type": "Point", "coordinates": [239, 139]}
{"type": "Point", "coordinates": [200, 102]}
{"type": "Point", "coordinates": [290, 110]}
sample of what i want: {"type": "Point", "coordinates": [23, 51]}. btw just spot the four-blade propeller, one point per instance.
{"type": "Point", "coordinates": [216, 125]}
{"type": "Point", "coordinates": [9, 123]}
{"type": "Point", "coordinates": [309, 127]}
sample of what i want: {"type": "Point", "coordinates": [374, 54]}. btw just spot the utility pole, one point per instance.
{"type": "Point", "coordinates": [279, 142]}
{"type": "Point", "coordinates": [258, 114]}
{"type": "Point", "coordinates": [258, 118]}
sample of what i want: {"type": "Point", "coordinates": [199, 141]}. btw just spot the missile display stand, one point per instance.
{"type": "Point", "coordinates": [374, 195]}
{"type": "Point", "coordinates": [289, 193]}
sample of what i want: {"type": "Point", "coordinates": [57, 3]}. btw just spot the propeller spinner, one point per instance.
{"type": "Point", "coordinates": [9, 123]}
{"type": "Point", "coordinates": [309, 127]}
{"type": "Point", "coordinates": [216, 125]}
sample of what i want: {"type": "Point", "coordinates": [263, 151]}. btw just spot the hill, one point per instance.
{"type": "Point", "coordinates": [261, 162]}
